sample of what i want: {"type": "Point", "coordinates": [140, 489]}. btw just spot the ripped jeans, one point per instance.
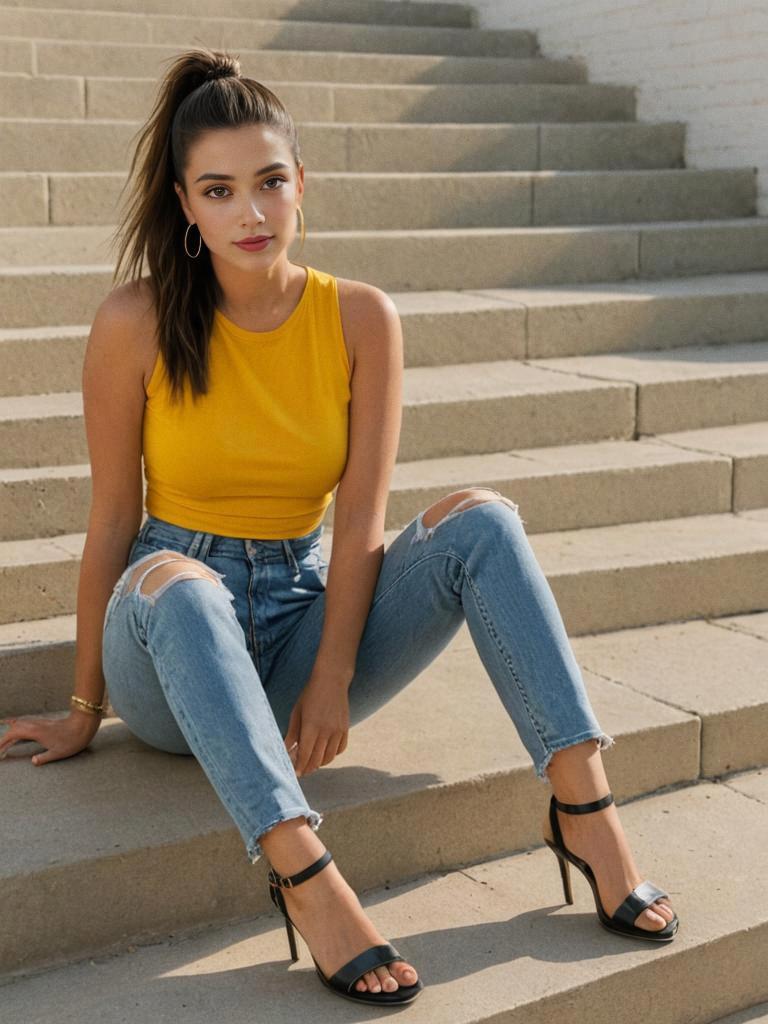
{"type": "Point", "coordinates": [196, 667]}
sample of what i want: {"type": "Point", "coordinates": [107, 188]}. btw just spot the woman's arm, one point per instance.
{"type": "Point", "coordinates": [113, 396]}
{"type": "Point", "coordinates": [319, 724]}
{"type": "Point", "coordinates": [113, 403]}
{"type": "Point", "coordinates": [371, 320]}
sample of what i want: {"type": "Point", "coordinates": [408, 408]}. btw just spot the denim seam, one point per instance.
{"type": "Point", "coordinates": [502, 650]}
{"type": "Point", "coordinates": [482, 609]}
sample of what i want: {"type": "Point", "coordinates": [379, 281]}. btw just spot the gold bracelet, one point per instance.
{"type": "Point", "coordinates": [87, 705]}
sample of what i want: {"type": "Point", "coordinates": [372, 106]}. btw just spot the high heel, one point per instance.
{"type": "Point", "coordinates": [641, 897]}
{"type": "Point", "coordinates": [342, 981]}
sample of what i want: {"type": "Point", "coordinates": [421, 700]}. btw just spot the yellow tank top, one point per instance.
{"type": "Point", "coordinates": [259, 456]}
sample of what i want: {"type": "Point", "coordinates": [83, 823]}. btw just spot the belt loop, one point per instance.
{"type": "Point", "coordinates": [291, 559]}
{"type": "Point", "coordinates": [200, 545]}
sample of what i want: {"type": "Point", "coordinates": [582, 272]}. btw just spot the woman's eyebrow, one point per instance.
{"type": "Point", "coordinates": [230, 177]}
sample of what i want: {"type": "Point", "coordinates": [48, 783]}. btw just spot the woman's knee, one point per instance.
{"type": "Point", "coordinates": [457, 501]}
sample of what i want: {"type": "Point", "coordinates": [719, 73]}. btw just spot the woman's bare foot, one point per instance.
{"type": "Point", "coordinates": [577, 776]}
{"type": "Point", "coordinates": [326, 910]}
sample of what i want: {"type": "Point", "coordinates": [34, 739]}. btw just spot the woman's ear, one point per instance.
{"type": "Point", "coordinates": [184, 205]}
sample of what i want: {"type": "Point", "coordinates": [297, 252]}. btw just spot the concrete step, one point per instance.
{"type": "Point", "coordinates": [613, 316]}
{"type": "Point", "coordinates": [367, 12]}
{"type": "Point", "coordinates": [745, 445]}
{"type": "Point", "coordinates": [67, 61]}
{"type": "Point", "coordinates": [604, 577]}
{"type": "Point", "coordinates": [50, 145]}
{"type": "Point", "coordinates": [34, 289]}
{"type": "Point", "coordinates": [140, 812]}
{"type": "Point", "coordinates": [104, 98]}
{"type": "Point", "coordinates": [487, 940]}
{"type": "Point", "coordinates": [718, 677]}
{"type": "Point", "coordinates": [72, 58]}
{"type": "Point", "coordinates": [683, 388]}
{"type": "Point", "coordinates": [559, 487]}
{"type": "Point", "coordinates": [263, 33]}
{"type": "Point", "coordinates": [453, 327]}
{"type": "Point", "coordinates": [366, 201]}
{"type": "Point", "coordinates": [65, 96]}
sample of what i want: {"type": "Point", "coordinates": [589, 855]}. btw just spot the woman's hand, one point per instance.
{"type": "Point", "coordinates": [319, 724]}
{"type": "Point", "coordinates": [62, 737]}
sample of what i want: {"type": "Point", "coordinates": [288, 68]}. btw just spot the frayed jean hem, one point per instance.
{"type": "Point", "coordinates": [604, 740]}
{"type": "Point", "coordinates": [314, 820]}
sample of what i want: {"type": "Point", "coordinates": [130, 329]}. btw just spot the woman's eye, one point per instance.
{"type": "Point", "coordinates": [217, 188]}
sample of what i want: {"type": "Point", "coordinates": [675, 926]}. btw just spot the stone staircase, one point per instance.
{"type": "Point", "coordinates": [584, 330]}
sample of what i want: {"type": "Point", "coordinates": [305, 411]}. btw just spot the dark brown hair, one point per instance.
{"type": "Point", "coordinates": [203, 90]}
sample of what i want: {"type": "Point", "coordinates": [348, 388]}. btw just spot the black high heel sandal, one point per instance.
{"type": "Point", "coordinates": [342, 981]}
{"type": "Point", "coordinates": [622, 921]}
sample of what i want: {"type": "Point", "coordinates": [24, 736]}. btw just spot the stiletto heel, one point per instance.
{"type": "Point", "coordinates": [565, 874]}
{"type": "Point", "coordinates": [343, 980]}
{"type": "Point", "coordinates": [291, 941]}
{"type": "Point", "coordinates": [641, 897]}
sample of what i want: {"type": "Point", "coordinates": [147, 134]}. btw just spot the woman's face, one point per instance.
{"type": "Point", "coordinates": [232, 195]}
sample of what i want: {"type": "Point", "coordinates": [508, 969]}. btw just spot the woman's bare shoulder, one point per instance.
{"type": "Point", "coordinates": [131, 307]}
{"type": "Point", "coordinates": [358, 302]}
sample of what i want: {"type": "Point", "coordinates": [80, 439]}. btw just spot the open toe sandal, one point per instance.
{"type": "Point", "coordinates": [622, 921]}
{"type": "Point", "coordinates": [342, 982]}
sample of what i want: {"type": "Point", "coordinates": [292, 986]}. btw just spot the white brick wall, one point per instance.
{"type": "Point", "coordinates": [702, 62]}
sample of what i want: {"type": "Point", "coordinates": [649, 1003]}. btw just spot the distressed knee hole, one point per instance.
{"type": "Point", "coordinates": [166, 570]}
{"type": "Point", "coordinates": [456, 502]}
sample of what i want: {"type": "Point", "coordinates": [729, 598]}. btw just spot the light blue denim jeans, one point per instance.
{"type": "Point", "coordinates": [213, 670]}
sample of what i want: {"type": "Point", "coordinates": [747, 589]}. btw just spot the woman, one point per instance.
{"type": "Point", "coordinates": [253, 386]}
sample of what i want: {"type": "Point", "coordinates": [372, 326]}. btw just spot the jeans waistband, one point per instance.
{"type": "Point", "coordinates": [200, 543]}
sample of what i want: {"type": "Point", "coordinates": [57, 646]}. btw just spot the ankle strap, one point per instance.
{"type": "Point", "coordinates": [596, 805]}
{"type": "Point", "coordinates": [289, 881]}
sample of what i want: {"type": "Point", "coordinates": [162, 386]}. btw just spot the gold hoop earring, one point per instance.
{"type": "Point", "coordinates": [186, 250]}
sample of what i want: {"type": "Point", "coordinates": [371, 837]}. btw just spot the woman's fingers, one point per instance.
{"type": "Point", "coordinates": [307, 741]}
{"type": "Point", "coordinates": [325, 750]}
{"type": "Point", "coordinates": [20, 729]}
{"type": "Point", "coordinates": [47, 755]}
{"type": "Point", "coordinates": [317, 756]}
{"type": "Point", "coordinates": [319, 753]}
{"type": "Point", "coordinates": [7, 741]}
{"type": "Point", "coordinates": [335, 746]}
